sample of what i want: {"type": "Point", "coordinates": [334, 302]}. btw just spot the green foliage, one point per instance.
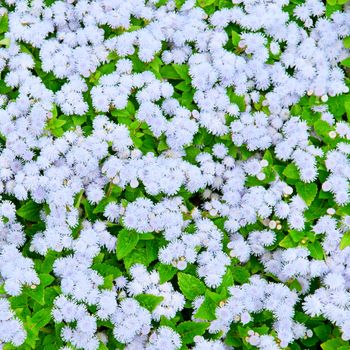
{"type": "Point", "coordinates": [149, 301]}
{"type": "Point", "coordinates": [29, 211]}
{"type": "Point", "coordinates": [291, 172]}
{"type": "Point", "coordinates": [126, 242]}
{"type": "Point", "coordinates": [345, 241]}
{"type": "Point", "coordinates": [335, 344]}
{"type": "Point", "coordinates": [188, 330]}
{"type": "Point", "coordinates": [190, 286]}
{"type": "Point", "coordinates": [240, 274]}
{"type": "Point", "coordinates": [306, 191]}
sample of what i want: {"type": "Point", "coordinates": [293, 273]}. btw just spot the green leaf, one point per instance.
{"type": "Point", "coordinates": [323, 331]}
{"type": "Point", "coordinates": [346, 62]}
{"type": "Point", "coordinates": [149, 301]}
{"type": "Point", "coordinates": [291, 171]}
{"type": "Point", "coordinates": [179, 3]}
{"type": "Point", "coordinates": [166, 272]}
{"type": "Point", "coordinates": [144, 253]}
{"type": "Point", "coordinates": [190, 286]}
{"type": "Point", "coordinates": [207, 310]}
{"type": "Point", "coordinates": [102, 346]}
{"type": "Point", "coordinates": [240, 274]}
{"type": "Point", "coordinates": [333, 344]}
{"type": "Point", "coordinates": [316, 250]}
{"type": "Point", "coordinates": [347, 108]}
{"type": "Point", "coordinates": [227, 280]}
{"type": "Point", "coordinates": [346, 42]}
{"type": "Point", "coordinates": [126, 242]}
{"type": "Point", "coordinates": [79, 119]}
{"type": "Point", "coordinates": [188, 330]}
{"type": "Point", "coordinates": [169, 72]}
{"type": "Point", "coordinates": [182, 71]}
{"type": "Point", "coordinates": [205, 3]}
{"type": "Point", "coordinates": [322, 128]}
{"type": "Point", "coordinates": [5, 42]}
{"type": "Point", "coordinates": [106, 269]}
{"type": "Point", "coordinates": [345, 241]}
{"type": "Point", "coordinates": [4, 23]}
{"type": "Point", "coordinates": [296, 285]}
{"type": "Point", "coordinates": [29, 211]}
{"type": "Point", "coordinates": [236, 38]}
{"type": "Point", "coordinates": [41, 319]}
{"type": "Point", "coordinates": [287, 242]}
{"type": "Point", "coordinates": [46, 279]}
{"type": "Point", "coordinates": [107, 282]}
{"type": "Point", "coordinates": [296, 236]}
{"type": "Point", "coordinates": [56, 123]}
{"type": "Point", "coordinates": [306, 191]}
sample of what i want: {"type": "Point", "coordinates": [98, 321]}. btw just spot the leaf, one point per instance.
{"type": "Point", "coordinates": [240, 274]}
{"type": "Point", "coordinates": [106, 269]}
{"type": "Point", "coordinates": [287, 242]}
{"type": "Point", "coordinates": [345, 241]}
{"type": "Point", "coordinates": [347, 108]}
{"type": "Point", "coordinates": [5, 42]}
{"type": "Point", "coordinates": [126, 242]}
{"type": "Point", "coordinates": [144, 253]}
{"type": "Point", "coordinates": [205, 3]}
{"type": "Point", "coordinates": [79, 119]}
{"type": "Point", "coordinates": [236, 38]}
{"type": "Point", "coordinates": [4, 23]}
{"type": "Point", "coordinates": [295, 285]}
{"type": "Point", "coordinates": [333, 344]}
{"type": "Point", "coordinates": [37, 293]}
{"type": "Point", "coordinates": [188, 330]}
{"type": "Point", "coordinates": [29, 211]}
{"type": "Point", "coordinates": [346, 42]}
{"type": "Point", "coordinates": [179, 3]}
{"type": "Point", "coordinates": [47, 265]}
{"type": "Point", "coordinates": [207, 310]}
{"type": "Point", "coordinates": [190, 286]}
{"type": "Point", "coordinates": [291, 171]}
{"type": "Point", "coordinates": [166, 272]}
{"type": "Point", "coordinates": [322, 128]}
{"type": "Point", "coordinates": [46, 279]}
{"type": "Point", "coordinates": [316, 250]}
{"type": "Point", "coordinates": [41, 318]}
{"type": "Point", "coordinates": [346, 62]}
{"type": "Point", "coordinates": [323, 331]}
{"type": "Point", "coordinates": [227, 280]}
{"type": "Point", "coordinates": [102, 346]}
{"type": "Point", "coordinates": [296, 236]}
{"type": "Point", "coordinates": [107, 282]}
{"type": "Point", "coordinates": [182, 70]}
{"type": "Point", "coordinates": [168, 72]}
{"type": "Point", "coordinates": [307, 192]}
{"type": "Point", "coordinates": [149, 301]}
{"type": "Point", "coordinates": [56, 123]}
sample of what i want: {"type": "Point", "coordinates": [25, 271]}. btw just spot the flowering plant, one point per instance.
{"type": "Point", "coordinates": [174, 174]}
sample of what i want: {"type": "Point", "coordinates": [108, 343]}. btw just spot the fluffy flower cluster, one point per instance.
{"type": "Point", "coordinates": [11, 329]}
{"type": "Point", "coordinates": [254, 297]}
{"type": "Point", "coordinates": [211, 262]}
{"type": "Point", "coordinates": [144, 282]}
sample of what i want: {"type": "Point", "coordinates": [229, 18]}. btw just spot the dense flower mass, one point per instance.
{"type": "Point", "coordinates": [174, 174]}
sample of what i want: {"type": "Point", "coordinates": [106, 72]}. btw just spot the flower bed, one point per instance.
{"type": "Point", "coordinates": [174, 174]}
